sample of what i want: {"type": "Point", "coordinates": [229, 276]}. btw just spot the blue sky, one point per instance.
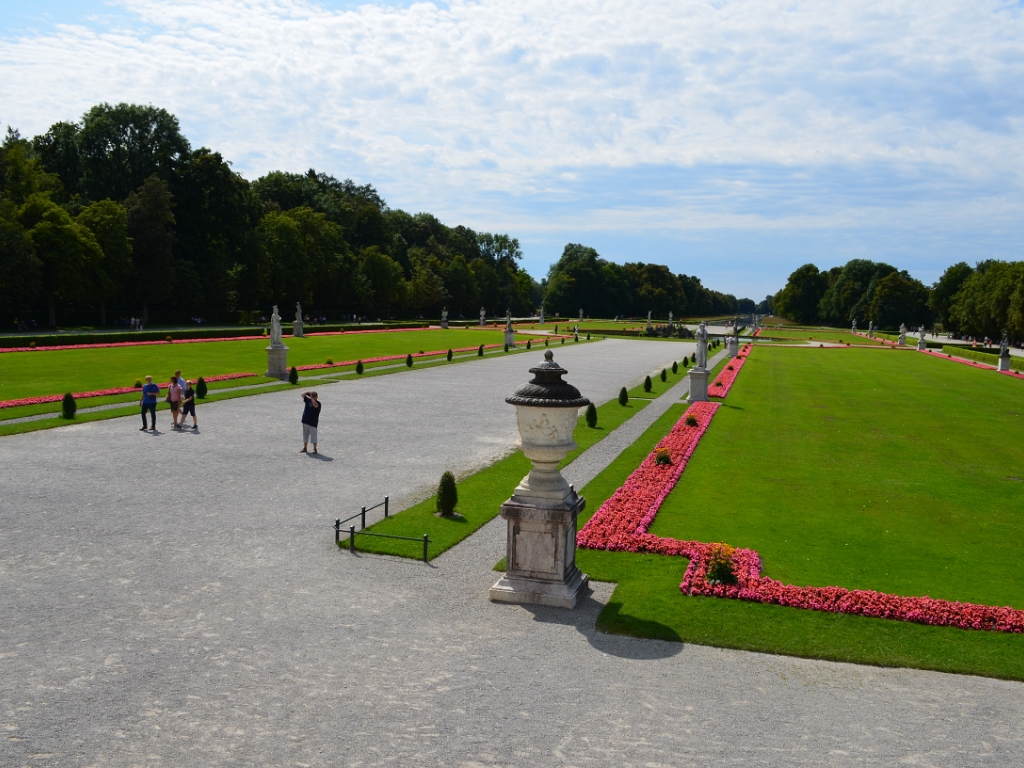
{"type": "Point", "coordinates": [730, 140]}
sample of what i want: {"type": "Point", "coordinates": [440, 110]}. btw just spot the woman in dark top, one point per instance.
{"type": "Point", "coordinates": [310, 420]}
{"type": "Point", "coordinates": [188, 404]}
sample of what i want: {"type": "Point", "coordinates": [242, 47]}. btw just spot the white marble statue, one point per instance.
{"type": "Point", "coordinates": [903, 329]}
{"type": "Point", "coordinates": [854, 327]}
{"type": "Point", "coordinates": [1004, 346]}
{"type": "Point", "coordinates": [581, 315]}
{"type": "Point", "coordinates": [508, 319]}
{"type": "Point", "coordinates": [669, 319]}
{"type": "Point", "coordinates": [444, 313]}
{"type": "Point", "coordinates": [275, 328]}
{"type": "Point", "coordinates": [702, 345]}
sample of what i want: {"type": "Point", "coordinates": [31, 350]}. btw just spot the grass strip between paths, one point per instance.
{"type": "Point", "coordinates": [480, 495]}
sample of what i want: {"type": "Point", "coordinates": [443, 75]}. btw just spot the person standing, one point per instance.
{"type": "Point", "coordinates": [188, 405]}
{"type": "Point", "coordinates": [310, 420]}
{"type": "Point", "coordinates": [150, 392]}
{"type": "Point", "coordinates": [174, 398]}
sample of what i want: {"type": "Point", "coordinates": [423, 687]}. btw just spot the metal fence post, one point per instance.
{"type": "Point", "coordinates": [351, 538]}
{"type": "Point", "coordinates": [337, 531]}
{"type": "Point", "coordinates": [385, 507]}
{"type": "Point", "coordinates": [362, 519]}
{"type": "Point", "coordinates": [426, 541]}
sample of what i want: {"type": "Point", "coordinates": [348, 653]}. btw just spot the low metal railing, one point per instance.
{"type": "Point", "coordinates": [361, 514]}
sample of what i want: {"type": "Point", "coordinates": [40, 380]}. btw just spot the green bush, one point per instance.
{"type": "Point", "coordinates": [359, 367]}
{"type": "Point", "coordinates": [545, 342]}
{"type": "Point", "coordinates": [528, 343]}
{"type": "Point", "coordinates": [686, 362]}
{"type": "Point", "coordinates": [591, 416]}
{"type": "Point", "coordinates": [664, 375]}
{"type": "Point", "coordinates": [1016, 363]}
{"type": "Point", "coordinates": [563, 340]}
{"type": "Point", "coordinates": [691, 421]}
{"type": "Point", "coordinates": [330, 361]}
{"type": "Point", "coordinates": [449, 355]}
{"type": "Point", "coordinates": [293, 375]}
{"type": "Point", "coordinates": [588, 337]}
{"type": "Point", "coordinates": [480, 351]}
{"type": "Point", "coordinates": [68, 406]}
{"type": "Point", "coordinates": [447, 495]}
{"type": "Point", "coordinates": [168, 339]}
{"type": "Point", "coordinates": [506, 347]}
{"type": "Point", "coordinates": [675, 367]}
{"type": "Point", "coordinates": [138, 384]}
{"type": "Point", "coordinates": [623, 396]}
{"type": "Point", "coordinates": [408, 360]}
{"type": "Point", "coordinates": [201, 388]}
{"type": "Point", "coordinates": [647, 384]}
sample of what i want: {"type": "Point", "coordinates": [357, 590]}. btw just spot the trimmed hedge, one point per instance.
{"type": "Point", "coordinates": [1016, 363]}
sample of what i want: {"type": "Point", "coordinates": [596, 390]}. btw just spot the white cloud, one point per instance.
{"type": "Point", "coordinates": [789, 115]}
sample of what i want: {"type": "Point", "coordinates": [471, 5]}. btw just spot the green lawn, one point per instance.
{"type": "Point", "coordinates": [899, 473]}
{"type": "Point", "coordinates": [28, 374]}
{"type": "Point", "coordinates": [817, 335]}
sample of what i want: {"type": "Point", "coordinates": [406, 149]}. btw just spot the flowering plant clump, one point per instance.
{"type": "Point", "coordinates": [717, 570]}
{"type": "Point", "coordinates": [662, 456]}
{"type": "Point", "coordinates": [105, 392]}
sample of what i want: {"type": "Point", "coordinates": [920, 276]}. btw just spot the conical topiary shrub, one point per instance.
{"type": "Point", "coordinates": [293, 375]}
{"type": "Point", "coordinates": [447, 495]}
{"type": "Point", "coordinates": [408, 360]}
{"type": "Point", "coordinates": [68, 406]}
{"type": "Point", "coordinates": [664, 375]}
{"type": "Point", "coordinates": [359, 367]}
{"type": "Point", "coordinates": [623, 396]}
{"type": "Point", "coordinates": [506, 347]}
{"type": "Point", "coordinates": [675, 367]}
{"type": "Point", "coordinates": [528, 343]}
{"type": "Point", "coordinates": [449, 355]}
{"type": "Point", "coordinates": [647, 384]}
{"type": "Point", "coordinates": [545, 342]}
{"type": "Point", "coordinates": [201, 388]}
{"type": "Point", "coordinates": [480, 351]}
{"type": "Point", "coordinates": [591, 416]}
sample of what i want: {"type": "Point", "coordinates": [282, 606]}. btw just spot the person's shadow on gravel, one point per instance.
{"type": "Point", "coordinates": [319, 457]}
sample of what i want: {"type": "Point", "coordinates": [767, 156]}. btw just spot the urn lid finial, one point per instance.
{"type": "Point", "coordinates": [546, 389]}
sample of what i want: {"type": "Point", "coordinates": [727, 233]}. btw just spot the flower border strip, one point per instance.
{"type": "Point", "coordinates": [724, 380]}
{"type": "Point", "coordinates": [622, 522]}
{"type": "Point", "coordinates": [105, 392]}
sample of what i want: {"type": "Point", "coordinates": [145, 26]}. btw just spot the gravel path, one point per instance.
{"type": "Point", "coordinates": [176, 599]}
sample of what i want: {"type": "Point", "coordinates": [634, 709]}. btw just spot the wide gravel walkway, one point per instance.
{"type": "Point", "coordinates": [177, 600]}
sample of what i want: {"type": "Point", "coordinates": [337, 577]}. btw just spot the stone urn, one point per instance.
{"type": "Point", "coordinates": [541, 514]}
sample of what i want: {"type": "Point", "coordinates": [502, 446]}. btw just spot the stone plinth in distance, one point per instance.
{"type": "Point", "coordinates": [277, 362]}
{"type": "Point", "coordinates": [902, 340]}
{"type": "Point", "coordinates": [444, 323]}
{"type": "Point", "coordinates": [1004, 362]}
{"type": "Point", "coordinates": [297, 329]}
{"type": "Point", "coordinates": [540, 566]}
{"type": "Point", "coordinates": [922, 345]}
{"type": "Point", "coordinates": [510, 338]}
{"type": "Point", "coordinates": [698, 378]}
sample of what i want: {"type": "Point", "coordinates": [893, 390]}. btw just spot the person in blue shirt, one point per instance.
{"type": "Point", "coordinates": [150, 392]}
{"type": "Point", "coordinates": [310, 420]}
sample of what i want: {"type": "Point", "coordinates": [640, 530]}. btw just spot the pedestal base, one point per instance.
{"type": "Point", "coordinates": [1004, 363]}
{"type": "Point", "coordinates": [277, 362]}
{"type": "Point", "coordinates": [510, 338]}
{"type": "Point", "coordinates": [444, 324]}
{"type": "Point", "coordinates": [698, 378]}
{"type": "Point", "coordinates": [540, 558]}
{"type": "Point", "coordinates": [297, 330]}
{"type": "Point", "coordinates": [922, 345]}
{"type": "Point", "coordinates": [902, 341]}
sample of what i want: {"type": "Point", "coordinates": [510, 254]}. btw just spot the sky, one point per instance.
{"type": "Point", "coordinates": [734, 141]}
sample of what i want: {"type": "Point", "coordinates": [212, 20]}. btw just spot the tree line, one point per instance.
{"type": "Point", "coordinates": [984, 300]}
{"type": "Point", "coordinates": [117, 214]}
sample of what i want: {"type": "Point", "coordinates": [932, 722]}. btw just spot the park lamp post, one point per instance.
{"type": "Point", "coordinates": [541, 514]}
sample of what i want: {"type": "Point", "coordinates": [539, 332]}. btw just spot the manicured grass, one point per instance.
{"type": "Point", "coordinates": [480, 495]}
{"type": "Point", "coordinates": [28, 374]}
{"type": "Point", "coordinates": [885, 472]}
{"type": "Point", "coordinates": [818, 335]}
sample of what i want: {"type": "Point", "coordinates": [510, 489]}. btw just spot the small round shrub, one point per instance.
{"type": "Point", "coordinates": [447, 495]}
{"type": "Point", "coordinates": [720, 570]}
{"type": "Point", "coordinates": [359, 367]}
{"type": "Point", "coordinates": [330, 361]}
{"type": "Point", "coordinates": [591, 416]}
{"type": "Point", "coordinates": [675, 367]}
{"type": "Point", "coordinates": [32, 344]}
{"type": "Point", "coordinates": [588, 337]}
{"type": "Point", "coordinates": [623, 396]}
{"type": "Point", "coordinates": [647, 384]}
{"type": "Point", "coordinates": [408, 360]}
{"type": "Point", "coordinates": [662, 456]}
{"type": "Point", "coordinates": [68, 406]}
{"type": "Point", "coordinates": [449, 355]}
{"type": "Point", "coordinates": [201, 388]}
{"type": "Point", "coordinates": [664, 375]}
{"type": "Point", "coordinates": [691, 421]}
{"type": "Point", "coordinates": [293, 375]}
{"type": "Point", "coordinates": [138, 384]}
{"type": "Point", "coordinates": [480, 351]}
{"type": "Point", "coordinates": [168, 339]}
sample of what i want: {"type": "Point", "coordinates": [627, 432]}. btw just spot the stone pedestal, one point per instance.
{"type": "Point", "coordinates": [871, 334]}
{"type": "Point", "coordinates": [902, 340]}
{"type": "Point", "coordinates": [277, 362]}
{"type": "Point", "coordinates": [541, 553]}
{"type": "Point", "coordinates": [510, 338]}
{"type": "Point", "coordinates": [732, 348]}
{"type": "Point", "coordinates": [444, 323]}
{"type": "Point", "coordinates": [1004, 362]}
{"type": "Point", "coordinates": [698, 378]}
{"type": "Point", "coordinates": [922, 345]}
{"type": "Point", "coordinates": [297, 329]}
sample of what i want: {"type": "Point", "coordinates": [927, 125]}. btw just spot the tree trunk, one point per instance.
{"type": "Point", "coordinates": [52, 314]}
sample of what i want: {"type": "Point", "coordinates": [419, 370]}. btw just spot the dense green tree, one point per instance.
{"type": "Point", "coordinates": [899, 298]}
{"type": "Point", "coordinates": [151, 228]}
{"type": "Point", "coordinates": [386, 279]}
{"type": "Point", "coordinates": [946, 288]}
{"type": "Point", "coordinates": [990, 300]}
{"type": "Point", "coordinates": [803, 292]}
{"type": "Point", "coordinates": [850, 296]}
{"type": "Point", "coordinates": [108, 222]}
{"type": "Point", "coordinates": [20, 269]}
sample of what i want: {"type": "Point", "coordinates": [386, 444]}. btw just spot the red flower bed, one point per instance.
{"type": "Point", "coordinates": [869, 338]}
{"type": "Point", "coordinates": [622, 522]}
{"type": "Point", "coordinates": [757, 333]}
{"type": "Point", "coordinates": [723, 381]}
{"type": "Point", "coordinates": [1015, 374]}
{"type": "Point", "coordinates": [391, 357]}
{"type": "Point", "coordinates": [960, 360]}
{"type": "Point", "coordinates": [105, 392]}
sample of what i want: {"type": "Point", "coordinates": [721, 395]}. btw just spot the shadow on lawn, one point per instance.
{"type": "Point", "coordinates": [585, 619]}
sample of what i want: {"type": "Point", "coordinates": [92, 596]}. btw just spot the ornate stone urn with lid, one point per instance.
{"type": "Point", "coordinates": [541, 514]}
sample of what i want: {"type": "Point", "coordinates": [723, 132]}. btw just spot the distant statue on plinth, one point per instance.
{"type": "Point", "coordinates": [542, 315]}
{"type": "Point", "coordinates": [921, 343]}
{"type": "Point", "coordinates": [903, 334]}
{"type": "Point", "coordinates": [297, 324]}
{"type": "Point", "coordinates": [648, 320]}
{"type": "Point", "coordinates": [510, 334]}
{"type": "Point", "coordinates": [871, 329]}
{"type": "Point", "coordinates": [508, 319]}
{"type": "Point", "coordinates": [444, 317]}
{"type": "Point", "coordinates": [275, 329]}
{"type": "Point", "coordinates": [670, 320]}
{"type": "Point", "coordinates": [483, 317]}
{"type": "Point", "coordinates": [1004, 345]}
{"type": "Point", "coordinates": [854, 327]}
{"type": "Point", "coordinates": [581, 315]}
{"type": "Point", "coordinates": [702, 344]}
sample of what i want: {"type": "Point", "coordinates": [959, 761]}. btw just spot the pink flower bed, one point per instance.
{"type": "Point", "coordinates": [387, 358]}
{"type": "Point", "coordinates": [105, 392]}
{"type": "Point", "coordinates": [622, 522]}
{"type": "Point", "coordinates": [757, 333]}
{"type": "Point", "coordinates": [960, 360]}
{"type": "Point", "coordinates": [725, 378]}
{"type": "Point", "coordinates": [883, 341]}
{"type": "Point", "coordinates": [1015, 374]}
